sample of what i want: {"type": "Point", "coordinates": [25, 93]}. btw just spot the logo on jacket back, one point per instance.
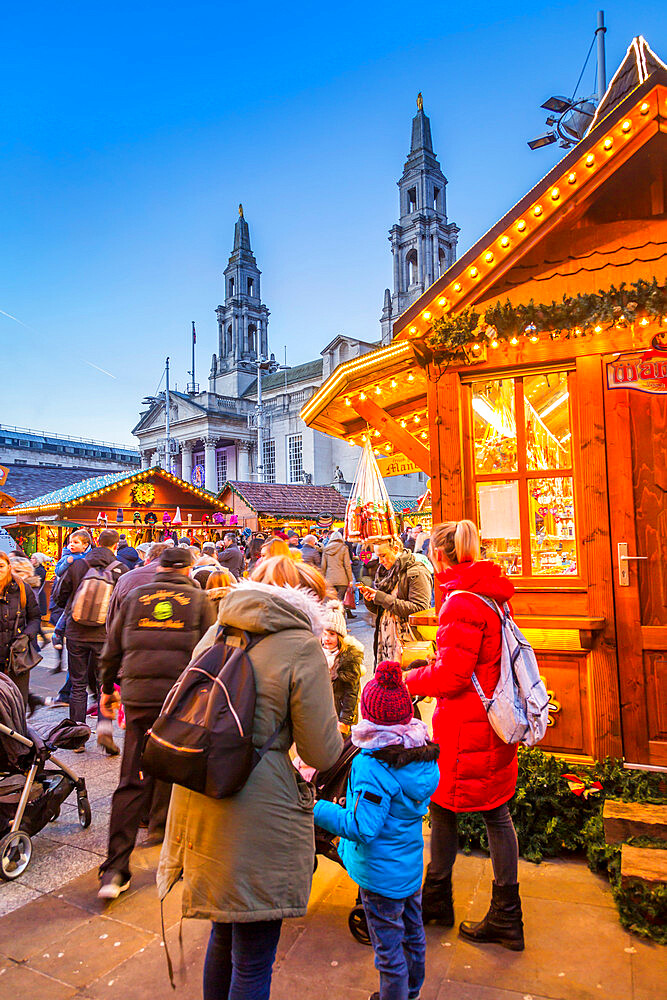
{"type": "Point", "coordinates": [162, 612]}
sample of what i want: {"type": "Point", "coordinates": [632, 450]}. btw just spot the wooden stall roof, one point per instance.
{"type": "Point", "coordinates": [83, 492]}
{"type": "Point", "coordinates": [597, 219]}
{"type": "Point", "coordinates": [288, 499]}
{"type": "Point", "coordinates": [611, 176]}
{"type": "Point", "coordinates": [27, 481]}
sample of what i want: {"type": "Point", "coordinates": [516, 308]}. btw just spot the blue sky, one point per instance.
{"type": "Point", "coordinates": [130, 133]}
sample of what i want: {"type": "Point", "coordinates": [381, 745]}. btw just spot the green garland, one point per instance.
{"type": "Point", "coordinates": [464, 334]}
{"type": "Point", "coordinates": [551, 820]}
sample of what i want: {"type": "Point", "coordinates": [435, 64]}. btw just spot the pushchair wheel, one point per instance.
{"type": "Point", "coordinates": [85, 815]}
{"type": "Point", "coordinates": [15, 854]}
{"type": "Point", "coordinates": [358, 926]}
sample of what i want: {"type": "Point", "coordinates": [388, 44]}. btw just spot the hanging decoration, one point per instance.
{"type": "Point", "coordinates": [467, 334]}
{"type": "Point", "coordinates": [143, 493]}
{"type": "Point", "coordinates": [369, 515]}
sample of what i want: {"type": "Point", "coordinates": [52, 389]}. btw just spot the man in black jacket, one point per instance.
{"type": "Point", "coordinates": [231, 557]}
{"type": "Point", "coordinates": [84, 642]}
{"type": "Point", "coordinates": [152, 637]}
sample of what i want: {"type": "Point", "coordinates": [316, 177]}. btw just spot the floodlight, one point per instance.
{"type": "Point", "coordinates": [542, 140]}
{"type": "Point", "coordinates": [557, 104]}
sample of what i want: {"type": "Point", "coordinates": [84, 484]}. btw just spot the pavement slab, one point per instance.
{"type": "Point", "coordinates": [23, 983]}
{"type": "Point", "coordinates": [34, 927]}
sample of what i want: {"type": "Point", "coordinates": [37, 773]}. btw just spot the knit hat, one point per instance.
{"type": "Point", "coordinates": [335, 618]}
{"type": "Point", "coordinates": [177, 558]}
{"type": "Point", "coordinates": [335, 536]}
{"type": "Point", "coordinates": [385, 700]}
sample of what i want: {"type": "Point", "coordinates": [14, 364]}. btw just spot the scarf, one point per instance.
{"type": "Point", "coordinates": [387, 579]}
{"type": "Point", "coordinates": [371, 736]}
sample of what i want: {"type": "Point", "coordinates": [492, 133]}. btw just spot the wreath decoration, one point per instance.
{"type": "Point", "coordinates": [143, 493]}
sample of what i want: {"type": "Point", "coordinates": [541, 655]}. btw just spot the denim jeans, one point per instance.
{"type": "Point", "coordinates": [82, 658]}
{"type": "Point", "coordinates": [239, 960]}
{"type": "Point", "coordinates": [399, 943]}
{"type": "Point", "coordinates": [503, 845]}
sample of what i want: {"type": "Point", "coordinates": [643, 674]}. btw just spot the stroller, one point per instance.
{"type": "Point", "coordinates": [332, 785]}
{"type": "Point", "coordinates": [31, 793]}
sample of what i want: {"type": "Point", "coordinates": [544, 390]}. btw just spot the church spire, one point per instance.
{"type": "Point", "coordinates": [421, 130]}
{"type": "Point", "coordinates": [241, 232]}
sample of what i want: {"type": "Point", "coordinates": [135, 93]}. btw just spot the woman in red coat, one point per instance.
{"type": "Point", "coordinates": [477, 770]}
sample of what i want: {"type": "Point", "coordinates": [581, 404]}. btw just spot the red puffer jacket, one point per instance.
{"type": "Point", "coordinates": [477, 770]}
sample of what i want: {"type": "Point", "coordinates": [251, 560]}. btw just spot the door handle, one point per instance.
{"type": "Point", "coordinates": [623, 560]}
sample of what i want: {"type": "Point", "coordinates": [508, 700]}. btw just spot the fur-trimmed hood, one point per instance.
{"type": "Point", "coordinates": [350, 660]}
{"type": "Point", "coordinates": [399, 756]}
{"type": "Point", "coordinates": [262, 608]}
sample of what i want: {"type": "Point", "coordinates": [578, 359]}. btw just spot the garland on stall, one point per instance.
{"type": "Point", "coordinates": [556, 812]}
{"type": "Point", "coordinates": [464, 334]}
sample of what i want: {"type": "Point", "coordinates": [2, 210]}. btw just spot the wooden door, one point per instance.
{"type": "Point", "coordinates": [636, 432]}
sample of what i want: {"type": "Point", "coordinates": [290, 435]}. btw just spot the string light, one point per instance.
{"type": "Point", "coordinates": [477, 347]}
{"type": "Point", "coordinates": [644, 109]}
{"type": "Point", "coordinates": [644, 321]}
{"type": "Point", "coordinates": [457, 286]}
{"type": "Point", "coordinates": [521, 225]}
{"type": "Point", "coordinates": [378, 390]}
{"type": "Point", "coordinates": [473, 272]}
{"type": "Point", "coordinates": [488, 257]}
{"type": "Point", "coordinates": [494, 343]}
{"type": "Point", "coordinates": [393, 383]}
{"type": "Point", "coordinates": [534, 338]}
{"type": "Point", "coordinates": [442, 302]}
{"type": "Point", "coordinates": [537, 210]}
{"type": "Point", "coordinates": [423, 435]}
{"type": "Point", "coordinates": [417, 418]}
{"type": "Point", "coordinates": [413, 329]}
{"type": "Point", "coordinates": [514, 341]}
{"type": "Point", "coordinates": [411, 377]}
{"type": "Point", "coordinates": [627, 125]}
{"type": "Point", "coordinates": [362, 395]}
{"type": "Point", "coordinates": [376, 434]}
{"type": "Point", "coordinates": [590, 160]}
{"type": "Point", "coordinates": [555, 194]}
{"type": "Point", "coordinates": [608, 143]}
{"type": "Point", "coordinates": [426, 316]}
{"type": "Point", "coordinates": [598, 329]}
{"type": "Point", "coordinates": [347, 402]}
{"type": "Point", "coordinates": [505, 242]}
{"type": "Point", "coordinates": [403, 423]}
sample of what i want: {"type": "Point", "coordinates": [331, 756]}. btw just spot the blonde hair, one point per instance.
{"type": "Point", "coordinates": [281, 571]}
{"type": "Point", "coordinates": [459, 540]}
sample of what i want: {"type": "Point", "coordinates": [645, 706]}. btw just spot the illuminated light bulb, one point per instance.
{"type": "Point", "coordinates": [627, 125]}
{"type": "Point", "coordinates": [378, 390]}
{"type": "Point", "coordinates": [413, 329]}
{"type": "Point", "coordinates": [426, 315]}
{"type": "Point", "coordinates": [505, 242]}
{"type": "Point", "coordinates": [442, 302]}
{"type": "Point", "coordinates": [403, 423]}
{"type": "Point", "coordinates": [423, 435]}
{"type": "Point", "coordinates": [387, 447]}
{"type": "Point", "coordinates": [598, 329]}
{"type": "Point", "coordinates": [537, 210]}
{"type": "Point", "coordinates": [362, 395]}
{"type": "Point", "coordinates": [417, 418]}
{"type": "Point", "coordinates": [571, 178]}
{"type": "Point", "coordinates": [457, 286]}
{"type": "Point", "coordinates": [521, 225]}
{"type": "Point", "coordinates": [488, 257]}
{"type": "Point", "coordinates": [555, 194]}
{"type": "Point", "coordinates": [476, 347]}
{"type": "Point", "coordinates": [494, 343]}
{"type": "Point", "coordinates": [534, 339]}
{"type": "Point", "coordinates": [645, 108]}
{"type": "Point", "coordinates": [473, 272]}
{"type": "Point", "coordinates": [644, 321]}
{"type": "Point", "coordinates": [590, 160]}
{"type": "Point", "coordinates": [351, 444]}
{"type": "Point", "coordinates": [348, 403]}
{"type": "Point", "coordinates": [393, 383]}
{"type": "Point", "coordinates": [376, 434]}
{"type": "Point", "coordinates": [411, 377]}
{"type": "Point", "coordinates": [608, 143]}
{"type": "Point", "coordinates": [514, 341]}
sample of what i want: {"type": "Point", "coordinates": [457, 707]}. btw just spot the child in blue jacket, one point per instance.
{"type": "Point", "coordinates": [380, 826]}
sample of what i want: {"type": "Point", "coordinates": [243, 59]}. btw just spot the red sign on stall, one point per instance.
{"type": "Point", "coordinates": [645, 372]}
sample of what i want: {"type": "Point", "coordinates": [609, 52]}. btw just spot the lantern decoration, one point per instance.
{"type": "Point", "coordinates": [369, 514]}
{"type": "Point", "coordinates": [177, 519]}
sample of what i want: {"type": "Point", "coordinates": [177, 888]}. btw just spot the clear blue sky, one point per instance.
{"type": "Point", "coordinates": [130, 133]}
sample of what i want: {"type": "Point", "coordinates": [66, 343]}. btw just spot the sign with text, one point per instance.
{"type": "Point", "coordinates": [645, 372]}
{"type": "Point", "coordinates": [397, 465]}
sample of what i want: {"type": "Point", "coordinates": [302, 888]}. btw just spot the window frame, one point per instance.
{"type": "Point", "coordinates": [269, 453]}
{"type": "Point", "coordinates": [523, 475]}
{"type": "Point", "coordinates": [290, 439]}
{"type": "Point", "coordinates": [220, 453]}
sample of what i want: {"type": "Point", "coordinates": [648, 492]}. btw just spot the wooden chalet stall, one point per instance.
{"type": "Point", "coordinates": [265, 506]}
{"type": "Point", "coordinates": [530, 382]}
{"type": "Point", "coordinates": [130, 503]}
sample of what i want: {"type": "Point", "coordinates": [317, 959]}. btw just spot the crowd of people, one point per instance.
{"type": "Point", "coordinates": [131, 620]}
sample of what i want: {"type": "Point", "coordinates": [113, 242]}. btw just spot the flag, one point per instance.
{"type": "Point", "coordinates": [194, 333]}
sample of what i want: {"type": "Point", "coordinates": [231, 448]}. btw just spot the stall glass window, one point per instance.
{"type": "Point", "coordinates": [524, 475]}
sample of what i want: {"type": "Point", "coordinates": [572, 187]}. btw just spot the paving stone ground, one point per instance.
{"type": "Point", "coordinates": [57, 941]}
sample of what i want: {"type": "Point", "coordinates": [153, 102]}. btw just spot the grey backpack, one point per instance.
{"type": "Point", "coordinates": [518, 710]}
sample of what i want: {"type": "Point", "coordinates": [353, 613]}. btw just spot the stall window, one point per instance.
{"type": "Point", "coordinates": [523, 468]}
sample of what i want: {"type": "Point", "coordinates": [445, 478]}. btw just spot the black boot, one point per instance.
{"type": "Point", "coordinates": [502, 924]}
{"type": "Point", "coordinates": [437, 901]}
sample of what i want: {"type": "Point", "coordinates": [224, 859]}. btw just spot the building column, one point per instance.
{"type": "Point", "coordinates": [145, 459]}
{"type": "Point", "coordinates": [186, 461]}
{"type": "Point", "coordinates": [243, 461]}
{"type": "Point", "coordinates": [210, 471]}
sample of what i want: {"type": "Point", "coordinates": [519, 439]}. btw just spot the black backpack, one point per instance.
{"type": "Point", "coordinates": [202, 738]}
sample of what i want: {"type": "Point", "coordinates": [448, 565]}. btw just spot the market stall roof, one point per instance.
{"type": "Point", "coordinates": [613, 168]}
{"type": "Point", "coordinates": [284, 500]}
{"type": "Point", "coordinates": [27, 481]}
{"type": "Point", "coordinates": [581, 228]}
{"type": "Point", "coordinates": [80, 493]}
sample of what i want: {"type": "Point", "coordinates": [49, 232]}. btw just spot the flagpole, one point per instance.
{"type": "Point", "coordinates": [194, 341]}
